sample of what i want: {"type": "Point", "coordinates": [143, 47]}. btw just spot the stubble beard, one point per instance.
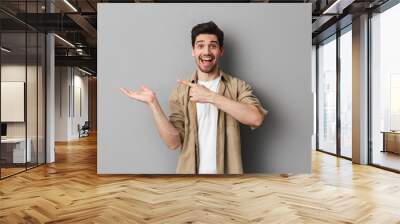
{"type": "Point", "coordinates": [210, 70]}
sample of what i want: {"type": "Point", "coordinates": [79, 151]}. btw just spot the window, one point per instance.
{"type": "Point", "coordinates": [385, 88]}
{"type": "Point", "coordinates": [327, 96]}
{"type": "Point", "coordinates": [346, 93]}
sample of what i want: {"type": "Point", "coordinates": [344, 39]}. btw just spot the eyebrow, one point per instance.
{"type": "Point", "coordinates": [202, 41]}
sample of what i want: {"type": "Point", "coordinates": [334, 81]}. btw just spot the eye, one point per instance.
{"type": "Point", "coordinates": [200, 46]}
{"type": "Point", "coordinates": [213, 46]}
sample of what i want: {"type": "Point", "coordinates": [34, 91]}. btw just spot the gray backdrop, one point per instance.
{"type": "Point", "coordinates": [268, 45]}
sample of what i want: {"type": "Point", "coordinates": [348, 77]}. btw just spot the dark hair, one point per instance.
{"type": "Point", "coordinates": [208, 28]}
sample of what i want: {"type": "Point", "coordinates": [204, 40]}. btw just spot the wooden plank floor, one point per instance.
{"type": "Point", "coordinates": [70, 191]}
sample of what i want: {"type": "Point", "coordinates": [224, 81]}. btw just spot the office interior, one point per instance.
{"type": "Point", "coordinates": [48, 82]}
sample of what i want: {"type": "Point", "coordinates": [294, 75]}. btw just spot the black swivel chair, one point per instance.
{"type": "Point", "coordinates": [84, 130]}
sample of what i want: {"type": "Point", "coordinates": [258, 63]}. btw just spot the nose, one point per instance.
{"type": "Point", "coordinates": [207, 50]}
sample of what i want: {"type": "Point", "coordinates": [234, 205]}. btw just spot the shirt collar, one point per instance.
{"type": "Point", "coordinates": [194, 78]}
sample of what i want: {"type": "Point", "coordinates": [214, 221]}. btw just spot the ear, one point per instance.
{"type": "Point", "coordinates": [222, 51]}
{"type": "Point", "coordinates": [193, 51]}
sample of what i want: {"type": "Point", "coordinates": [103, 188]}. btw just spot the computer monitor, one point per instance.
{"type": "Point", "coordinates": [3, 129]}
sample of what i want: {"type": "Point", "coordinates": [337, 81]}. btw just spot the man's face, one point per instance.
{"type": "Point", "coordinates": [206, 52]}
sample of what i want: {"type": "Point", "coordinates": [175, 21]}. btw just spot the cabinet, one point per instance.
{"type": "Point", "coordinates": [391, 141]}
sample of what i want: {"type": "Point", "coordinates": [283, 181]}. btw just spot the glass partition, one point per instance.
{"type": "Point", "coordinates": [13, 95]}
{"type": "Point", "coordinates": [22, 77]}
{"type": "Point", "coordinates": [41, 91]}
{"type": "Point", "coordinates": [31, 100]}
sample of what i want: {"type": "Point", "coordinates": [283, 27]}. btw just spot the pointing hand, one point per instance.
{"type": "Point", "coordinates": [199, 93]}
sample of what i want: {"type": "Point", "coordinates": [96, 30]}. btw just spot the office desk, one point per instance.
{"type": "Point", "coordinates": [13, 150]}
{"type": "Point", "coordinates": [391, 141]}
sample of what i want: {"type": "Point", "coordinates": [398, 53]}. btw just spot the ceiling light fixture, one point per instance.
{"type": "Point", "coordinates": [337, 7]}
{"type": "Point", "coordinates": [70, 5]}
{"type": "Point", "coordinates": [79, 51]}
{"type": "Point", "coordinates": [84, 71]}
{"type": "Point", "coordinates": [5, 50]}
{"type": "Point", "coordinates": [65, 41]}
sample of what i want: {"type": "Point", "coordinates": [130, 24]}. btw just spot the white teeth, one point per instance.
{"type": "Point", "coordinates": [206, 58]}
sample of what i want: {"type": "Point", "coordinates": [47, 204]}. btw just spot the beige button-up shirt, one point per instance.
{"type": "Point", "coordinates": [184, 118]}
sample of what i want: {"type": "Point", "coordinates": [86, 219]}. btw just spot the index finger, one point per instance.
{"type": "Point", "coordinates": [187, 83]}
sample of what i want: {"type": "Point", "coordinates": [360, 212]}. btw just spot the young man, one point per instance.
{"type": "Point", "coordinates": [205, 111]}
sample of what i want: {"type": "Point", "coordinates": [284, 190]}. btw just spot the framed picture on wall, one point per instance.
{"type": "Point", "coordinates": [12, 101]}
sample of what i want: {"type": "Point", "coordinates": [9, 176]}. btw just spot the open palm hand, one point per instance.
{"type": "Point", "coordinates": [144, 94]}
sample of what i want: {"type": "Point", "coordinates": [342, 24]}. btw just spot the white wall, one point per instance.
{"type": "Point", "coordinates": [61, 103]}
{"type": "Point", "coordinates": [79, 117]}
{"type": "Point", "coordinates": [69, 82]}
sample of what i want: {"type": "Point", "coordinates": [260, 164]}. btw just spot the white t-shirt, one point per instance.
{"type": "Point", "coordinates": [207, 118]}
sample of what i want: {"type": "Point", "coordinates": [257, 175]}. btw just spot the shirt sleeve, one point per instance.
{"type": "Point", "coordinates": [245, 95]}
{"type": "Point", "coordinates": [176, 116]}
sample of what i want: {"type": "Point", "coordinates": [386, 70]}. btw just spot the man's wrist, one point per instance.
{"type": "Point", "coordinates": [153, 104]}
{"type": "Point", "coordinates": [214, 97]}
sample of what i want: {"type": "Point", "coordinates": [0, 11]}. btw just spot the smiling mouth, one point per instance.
{"type": "Point", "coordinates": [206, 59]}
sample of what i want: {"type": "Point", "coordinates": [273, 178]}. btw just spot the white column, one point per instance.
{"type": "Point", "coordinates": [50, 92]}
{"type": "Point", "coordinates": [50, 110]}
